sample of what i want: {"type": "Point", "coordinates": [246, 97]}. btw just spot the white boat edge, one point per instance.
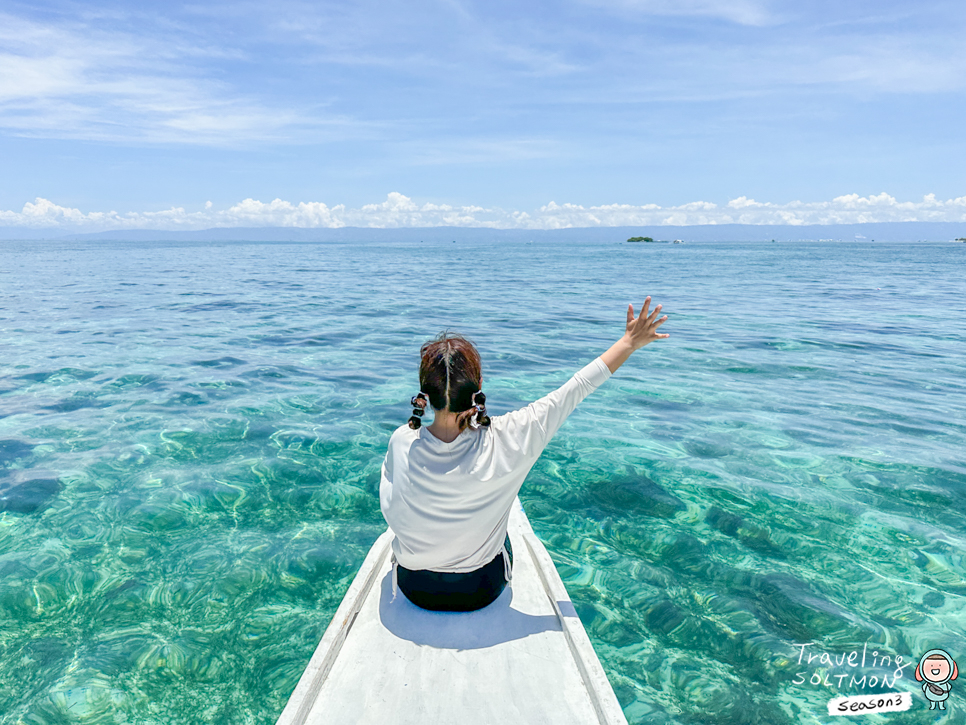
{"type": "Point", "coordinates": [599, 689]}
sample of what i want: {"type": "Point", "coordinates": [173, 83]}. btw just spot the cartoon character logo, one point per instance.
{"type": "Point", "coordinates": [935, 670]}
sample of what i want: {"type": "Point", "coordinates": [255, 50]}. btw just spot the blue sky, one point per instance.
{"type": "Point", "coordinates": [582, 112]}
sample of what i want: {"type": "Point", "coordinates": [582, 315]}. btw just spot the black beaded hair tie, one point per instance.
{"type": "Point", "coordinates": [420, 403]}
{"type": "Point", "coordinates": [479, 403]}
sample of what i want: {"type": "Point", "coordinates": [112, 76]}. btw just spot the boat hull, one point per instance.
{"type": "Point", "coordinates": [523, 658]}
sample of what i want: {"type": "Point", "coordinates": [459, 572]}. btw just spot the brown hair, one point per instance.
{"type": "Point", "coordinates": [450, 373]}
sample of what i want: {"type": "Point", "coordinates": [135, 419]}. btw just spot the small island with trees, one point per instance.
{"type": "Point", "coordinates": [651, 240]}
{"type": "Point", "coordinates": [961, 239]}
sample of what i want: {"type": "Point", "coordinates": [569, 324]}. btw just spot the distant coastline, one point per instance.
{"type": "Point", "coordinates": [865, 233]}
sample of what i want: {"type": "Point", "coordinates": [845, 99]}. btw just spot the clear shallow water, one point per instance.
{"type": "Point", "coordinates": [191, 435]}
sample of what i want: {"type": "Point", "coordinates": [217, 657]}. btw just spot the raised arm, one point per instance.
{"type": "Point", "coordinates": [529, 429]}
{"type": "Point", "coordinates": [639, 332]}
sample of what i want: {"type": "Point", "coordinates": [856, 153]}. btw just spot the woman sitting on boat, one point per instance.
{"type": "Point", "coordinates": [447, 489]}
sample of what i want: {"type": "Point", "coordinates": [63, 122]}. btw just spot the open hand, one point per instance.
{"type": "Point", "coordinates": [643, 329]}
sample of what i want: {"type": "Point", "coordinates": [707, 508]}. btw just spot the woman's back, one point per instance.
{"type": "Point", "coordinates": [448, 503]}
{"type": "Point", "coordinates": [446, 491]}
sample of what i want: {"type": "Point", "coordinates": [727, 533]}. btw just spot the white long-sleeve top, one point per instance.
{"type": "Point", "coordinates": [448, 504]}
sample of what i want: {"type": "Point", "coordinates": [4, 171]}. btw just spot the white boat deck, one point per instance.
{"type": "Point", "coordinates": [523, 659]}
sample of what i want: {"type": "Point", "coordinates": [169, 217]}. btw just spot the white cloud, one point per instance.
{"type": "Point", "coordinates": [278, 213]}
{"type": "Point", "coordinates": [399, 210]}
{"type": "Point", "coordinates": [83, 82]}
{"type": "Point", "coordinates": [849, 209]}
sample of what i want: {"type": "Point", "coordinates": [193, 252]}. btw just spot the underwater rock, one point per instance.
{"type": "Point", "coordinates": [11, 449]}
{"type": "Point", "coordinates": [221, 362]}
{"type": "Point", "coordinates": [707, 449]}
{"type": "Point", "coordinates": [791, 607]}
{"type": "Point", "coordinates": [751, 535]}
{"type": "Point", "coordinates": [29, 496]}
{"type": "Point", "coordinates": [76, 402]}
{"type": "Point", "coordinates": [636, 494]}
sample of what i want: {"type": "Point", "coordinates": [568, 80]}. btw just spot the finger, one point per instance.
{"type": "Point", "coordinates": [647, 303]}
{"type": "Point", "coordinates": [660, 322]}
{"type": "Point", "coordinates": [654, 314]}
{"type": "Point", "coordinates": [630, 314]}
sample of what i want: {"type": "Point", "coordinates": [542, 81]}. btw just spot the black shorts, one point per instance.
{"type": "Point", "coordinates": [449, 592]}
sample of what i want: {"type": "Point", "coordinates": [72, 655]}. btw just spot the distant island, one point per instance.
{"type": "Point", "coordinates": [961, 239]}
{"type": "Point", "coordinates": [651, 240]}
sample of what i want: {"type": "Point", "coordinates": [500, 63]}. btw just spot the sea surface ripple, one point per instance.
{"type": "Point", "coordinates": [191, 437]}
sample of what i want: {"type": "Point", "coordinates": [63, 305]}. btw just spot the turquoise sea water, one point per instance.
{"type": "Point", "coordinates": [191, 436]}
